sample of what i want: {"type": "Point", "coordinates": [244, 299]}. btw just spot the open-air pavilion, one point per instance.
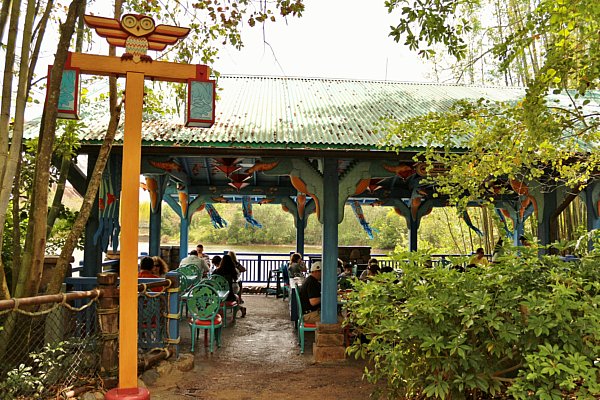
{"type": "Point", "coordinates": [309, 144]}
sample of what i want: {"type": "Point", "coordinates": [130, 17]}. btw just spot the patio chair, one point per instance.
{"type": "Point", "coordinates": [302, 327]}
{"type": "Point", "coordinates": [220, 283]}
{"type": "Point", "coordinates": [204, 309]}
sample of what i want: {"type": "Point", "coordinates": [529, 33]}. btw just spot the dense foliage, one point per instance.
{"type": "Point", "coordinates": [527, 327]}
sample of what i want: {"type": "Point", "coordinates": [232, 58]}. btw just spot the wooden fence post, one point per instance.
{"type": "Point", "coordinates": [108, 318]}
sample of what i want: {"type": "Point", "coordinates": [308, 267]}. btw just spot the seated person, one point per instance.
{"type": "Point", "coordinates": [479, 258]}
{"type": "Point", "coordinates": [310, 295]}
{"type": "Point", "coordinates": [146, 268]}
{"type": "Point", "coordinates": [195, 260]}
{"type": "Point", "coordinates": [160, 267]}
{"type": "Point", "coordinates": [297, 268]}
{"type": "Point", "coordinates": [347, 272]}
{"type": "Point", "coordinates": [372, 270]}
{"type": "Point", "coordinates": [216, 260]}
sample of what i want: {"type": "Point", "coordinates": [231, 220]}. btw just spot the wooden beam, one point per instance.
{"type": "Point", "coordinates": [156, 70]}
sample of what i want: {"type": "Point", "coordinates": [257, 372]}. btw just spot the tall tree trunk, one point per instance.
{"type": "Point", "coordinates": [7, 84]}
{"type": "Point", "coordinates": [35, 240]}
{"type": "Point", "coordinates": [66, 158]}
{"type": "Point", "coordinates": [4, 16]}
{"type": "Point", "coordinates": [5, 183]}
{"type": "Point", "coordinates": [16, 234]}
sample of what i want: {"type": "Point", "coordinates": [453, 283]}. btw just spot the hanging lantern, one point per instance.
{"type": "Point", "coordinates": [201, 95]}
{"type": "Point", "coordinates": [68, 99]}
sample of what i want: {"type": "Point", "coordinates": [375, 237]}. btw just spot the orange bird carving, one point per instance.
{"type": "Point", "coordinates": [168, 166]}
{"type": "Point", "coordinates": [137, 33]}
{"type": "Point", "coordinates": [362, 185]}
{"type": "Point", "coordinates": [402, 170]}
{"type": "Point", "coordinates": [152, 186]}
{"type": "Point", "coordinates": [238, 181]}
{"type": "Point", "coordinates": [300, 186]}
{"type": "Point", "coordinates": [261, 166]}
{"type": "Point", "coordinates": [301, 201]}
{"type": "Point", "coordinates": [521, 189]}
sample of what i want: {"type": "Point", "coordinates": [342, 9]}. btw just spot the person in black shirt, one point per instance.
{"type": "Point", "coordinates": [310, 295]}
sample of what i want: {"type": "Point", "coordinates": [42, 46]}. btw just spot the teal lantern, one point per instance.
{"type": "Point", "coordinates": [200, 111]}
{"type": "Point", "coordinates": [68, 100]}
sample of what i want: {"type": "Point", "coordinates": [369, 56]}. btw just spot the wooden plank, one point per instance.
{"type": "Point", "coordinates": [94, 64]}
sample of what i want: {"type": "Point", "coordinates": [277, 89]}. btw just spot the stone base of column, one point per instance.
{"type": "Point", "coordinates": [329, 343]}
{"type": "Point", "coordinates": [128, 394]}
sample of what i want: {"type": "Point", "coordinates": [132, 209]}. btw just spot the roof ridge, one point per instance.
{"type": "Point", "coordinates": [316, 78]}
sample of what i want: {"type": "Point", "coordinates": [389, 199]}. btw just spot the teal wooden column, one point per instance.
{"type": "Point", "coordinates": [300, 225]}
{"type": "Point", "coordinates": [329, 210]}
{"type": "Point", "coordinates": [546, 210]}
{"type": "Point", "coordinates": [156, 217]}
{"type": "Point", "coordinates": [592, 205]}
{"type": "Point", "coordinates": [184, 228]}
{"type": "Point", "coordinates": [92, 255]}
{"type": "Point", "coordinates": [413, 230]}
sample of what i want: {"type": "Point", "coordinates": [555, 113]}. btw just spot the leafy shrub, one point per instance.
{"type": "Point", "coordinates": [528, 327]}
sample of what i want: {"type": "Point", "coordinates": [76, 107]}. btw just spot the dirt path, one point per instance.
{"type": "Point", "coordinates": [260, 359]}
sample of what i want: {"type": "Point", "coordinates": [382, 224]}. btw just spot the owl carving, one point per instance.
{"type": "Point", "coordinates": [137, 33]}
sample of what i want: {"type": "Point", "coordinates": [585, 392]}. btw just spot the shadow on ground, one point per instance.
{"type": "Point", "coordinates": [260, 359]}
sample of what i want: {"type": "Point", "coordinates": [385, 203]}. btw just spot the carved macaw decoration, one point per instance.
{"type": "Point", "coordinates": [501, 215]}
{"type": "Point", "coordinates": [200, 208]}
{"type": "Point", "coordinates": [215, 218]}
{"type": "Point", "coordinates": [522, 190]}
{"type": "Point", "coordinates": [300, 186]}
{"type": "Point", "coordinates": [266, 200]}
{"type": "Point", "coordinates": [238, 181]}
{"type": "Point", "coordinates": [227, 165]}
{"type": "Point", "coordinates": [374, 185]}
{"type": "Point", "coordinates": [465, 216]}
{"type": "Point", "coordinates": [152, 187]}
{"type": "Point", "coordinates": [247, 210]}
{"type": "Point", "coordinates": [219, 199]}
{"type": "Point", "coordinates": [402, 170]}
{"type": "Point", "coordinates": [108, 206]}
{"type": "Point", "coordinates": [301, 203]}
{"type": "Point", "coordinates": [183, 199]}
{"type": "Point", "coordinates": [168, 166]}
{"type": "Point", "coordinates": [137, 33]}
{"type": "Point", "coordinates": [262, 166]}
{"type": "Point", "coordinates": [284, 208]}
{"type": "Point", "coordinates": [362, 185]}
{"type": "Point", "coordinates": [361, 218]}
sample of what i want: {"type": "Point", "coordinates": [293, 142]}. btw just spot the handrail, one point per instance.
{"type": "Point", "coordinates": [48, 298]}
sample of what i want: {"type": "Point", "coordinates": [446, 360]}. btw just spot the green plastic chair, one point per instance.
{"type": "Point", "coordinates": [220, 283]}
{"type": "Point", "coordinates": [302, 327]}
{"type": "Point", "coordinates": [204, 309]}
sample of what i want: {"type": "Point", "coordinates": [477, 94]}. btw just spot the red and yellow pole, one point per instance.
{"type": "Point", "coordinates": [128, 316]}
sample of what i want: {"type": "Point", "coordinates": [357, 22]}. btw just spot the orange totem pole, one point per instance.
{"type": "Point", "coordinates": [137, 34]}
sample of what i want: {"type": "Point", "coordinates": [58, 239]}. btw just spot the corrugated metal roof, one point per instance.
{"type": "Point", "coordinates": [281, 112]}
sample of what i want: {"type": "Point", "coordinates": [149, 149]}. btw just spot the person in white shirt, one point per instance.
{"type": "Point", "coordinates": [195, 260]}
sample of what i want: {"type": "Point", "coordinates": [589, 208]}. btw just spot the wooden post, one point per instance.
{"type": "Point", "coordinates": [108, 318]}
{"type": "Point", "coordinates": [130, 198]}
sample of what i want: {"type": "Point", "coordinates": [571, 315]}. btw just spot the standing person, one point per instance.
{"type": "Point", "coordinates": [239, 268]}
{"type": "Point", "coordinates": [227, 270]}
{"type": "Point", "coordinates": [197, 261]}
{"type": "Point", "coordinates": [479, 258]}
{"type": "Point", "coordinates": [200, 250]}
{"type": "Point", "coordinates": [310, 295]}
{"type": "Point", "coordinates": [297, 268]}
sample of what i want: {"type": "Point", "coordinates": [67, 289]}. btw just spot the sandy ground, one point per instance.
{"type": "Point", "coordinates": [260, 359]}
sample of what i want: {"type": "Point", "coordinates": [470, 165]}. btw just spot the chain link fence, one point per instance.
{"type": "Point", "coordinates": [46, 353]}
